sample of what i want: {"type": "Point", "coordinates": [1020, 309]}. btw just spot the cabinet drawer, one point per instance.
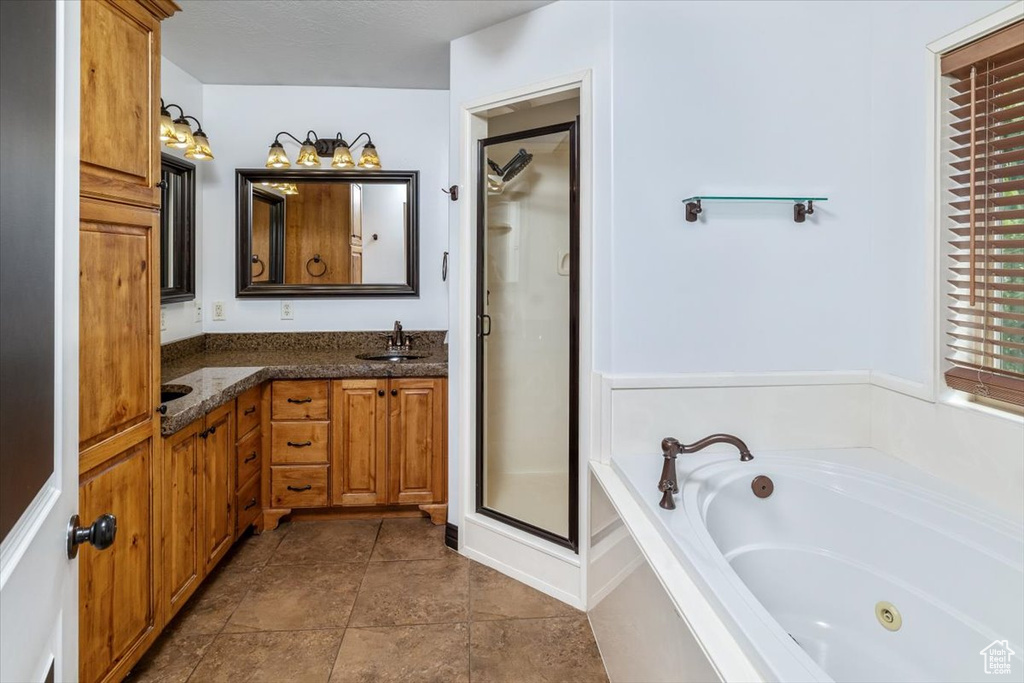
{"type": "Point", "coordinates": [302, 486]}
{"type": "Point", "coordinates": [248, 455]}
{"type": "Point", "coordinates": [298, 442]}
{"type": "Point", "coordinates": [247, 416]}
{"type": "Point", "coordinates": [247, 502]}
{"type": "Point", "coordinates": [299, 400]}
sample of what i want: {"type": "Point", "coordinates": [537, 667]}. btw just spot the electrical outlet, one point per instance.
{"type": "Point", "coordinates": [199, 312]}
{"type": "Point", "coordinates": [163, 320]}
{"type": "Point", "coordinates": [218, 310]}
{"type": "Point", "coordinates": [286, 311]}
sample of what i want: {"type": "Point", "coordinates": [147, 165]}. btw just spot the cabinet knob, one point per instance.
{"type": "Point", "coordinates": [380, 392]}
{"type": "Point", "coordinates": [394, 392]}
{"type": "Point", "coordinates": [162, 409]}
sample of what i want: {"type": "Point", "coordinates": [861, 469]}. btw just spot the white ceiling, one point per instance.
{"type": "Point", "coordinates": [379, 43]}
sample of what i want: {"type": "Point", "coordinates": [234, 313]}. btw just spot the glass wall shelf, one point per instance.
{"type": "Point", "coordinates": [803, 206]}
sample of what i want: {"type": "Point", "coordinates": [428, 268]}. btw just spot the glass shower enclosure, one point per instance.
{"type": "Point", "coordinates": [528, 331]}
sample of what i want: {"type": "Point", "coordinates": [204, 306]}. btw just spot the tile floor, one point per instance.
{"type": "Point", "coordinates": [368, 600]}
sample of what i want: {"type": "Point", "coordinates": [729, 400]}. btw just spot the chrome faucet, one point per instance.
{"type": "Point", "coordinates": [397, 338]}
{"type": "Point", "coordinates": [671, 448]}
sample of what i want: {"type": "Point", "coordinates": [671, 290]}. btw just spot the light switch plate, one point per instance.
{"type": "Point", "coordinates": [163, 320]}
{"type": "Point", "coordinates": [218, 310]}
{"type": "Point", "coordinates": [199, 312]}
{"type": "Point", "coordinates": [286, 311]}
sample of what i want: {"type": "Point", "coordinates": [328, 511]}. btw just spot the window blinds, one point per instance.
{"type": "Point", "coordinates": [984, 126]}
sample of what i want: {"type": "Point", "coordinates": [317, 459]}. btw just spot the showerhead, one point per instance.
{"type": "Point", "coordinates": [514, 166]}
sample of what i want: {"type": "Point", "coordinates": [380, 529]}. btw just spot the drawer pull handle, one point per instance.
{"type": "Point", "coordinates": [300, 445]}
{"type": "Point", "coordinates": [251, 504]}
{"type": "Point", "coordinates": [308, 399]}
{"type": "Point", "coordinates": [252, 456]}
{"type": "Point", "coordinates": [300, 488]}
{"type": "Point", "coordinates": [249, 411]}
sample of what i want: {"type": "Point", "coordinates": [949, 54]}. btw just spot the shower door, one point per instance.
{"type": "Point", "coordinates": [528, 330]}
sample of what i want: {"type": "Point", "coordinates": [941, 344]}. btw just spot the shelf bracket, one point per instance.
{"type": "Point", "coordinates": [692, 210]}
{"type": "Point", "coordinates": [801, 211]}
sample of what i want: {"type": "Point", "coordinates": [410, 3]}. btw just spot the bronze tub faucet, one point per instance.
{"type": "Point", "coordinates": [672, 447]}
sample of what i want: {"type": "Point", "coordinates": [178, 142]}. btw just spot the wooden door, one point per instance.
{"type": "Point", "coordinates": [117, 610]}
{"type": "Point", "coordinates": [118, 341]}
{"type": "Point", "coordinates": [182, 511]}
{"type": "Point", "coordinates": [359, 442]}
{"type": "Point", "coordinates": [218, 481]}
{"type": "Point", "coordinates": [416, 448]}
{"type": "Point", "coordinates": [120, 152]}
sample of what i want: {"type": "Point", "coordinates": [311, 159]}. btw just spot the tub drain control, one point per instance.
{"type": "Point", "coordinates": [888, 616]}
{"type": "Point", "coordinates": [762, 486]}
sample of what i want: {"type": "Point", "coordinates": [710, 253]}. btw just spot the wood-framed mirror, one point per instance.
{"type": "Point", "coordinates": [327, 232]}
{"type": "Point", "coordinates": [177, 229]}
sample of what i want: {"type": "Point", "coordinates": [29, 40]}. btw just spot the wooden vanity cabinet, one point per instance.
{"type": "Point", "coordinates": [120, 459]}
{"type": "Point", "coordinates": [181, 503]}
{"type": "Point", "coordinates": [359, 426]}
{"type": "Point", "coordinates": [248, 460]}
{"type": "Point", "coordinates": [218, 484]}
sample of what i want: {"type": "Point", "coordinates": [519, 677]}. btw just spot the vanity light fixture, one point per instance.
{"type": "Point", "coordinates": [314, 147]}
{"type": "Point", "coordinates": [177, 133]}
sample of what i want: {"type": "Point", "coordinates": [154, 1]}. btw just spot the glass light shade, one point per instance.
{"type": "Point", "coordinates": [276, 158]}
{"type": "Point", "coordinates": [308, 156]}
{"type": "Point", "coordinates": [369, 158]}
{"type": "Point", "coordinates": [289, 188]}
{"type": "Point", "coordinates": [342, 157]}
{"type": "Point", "coordinates": [167, 133]}
{"type": "Point", "coordinates": [182, 135]}
{"type": "Point", "coordinates": [200, 148]}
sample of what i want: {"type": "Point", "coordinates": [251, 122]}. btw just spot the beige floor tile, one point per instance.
{"type": "Point", "coordinates": [535, 651]}
{"type": "Point", "coordinates": [281, 657]}
{"type": "Point", "coordinates": [413, 592]}
{"type": "Point", "coordinates": [255, 550]}
{"type": "Point", "coordinates": [171, 659]}
{"type": "Point", "coordinates": [296, 597]}
{"type": "Point", "coordinates": [211, 606]}
{"type": "Point", "coordinates": [327, 542]}
{"type": "Point", "coordinates": [434, 653]}
{"type": "Point", "coordinates": [495, 596]}
{"type": "Point", "coordinates": [410, 539]}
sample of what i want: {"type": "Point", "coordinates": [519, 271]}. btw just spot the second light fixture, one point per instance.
{"type": "Point", "coordinates": [314, 147]}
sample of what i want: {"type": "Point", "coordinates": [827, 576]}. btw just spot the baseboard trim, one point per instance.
{"type": "Point", "coordinates": [451, 536]}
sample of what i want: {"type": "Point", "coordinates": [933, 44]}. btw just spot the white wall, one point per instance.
{"type": "Point", "coordinates": [384, 216]}
{"type": "Point", "coordinates": [177, 86]}
{"type": "Point", "coordinates": [409, 128]}
{"type": "Point", "coordinates": [901, 335]}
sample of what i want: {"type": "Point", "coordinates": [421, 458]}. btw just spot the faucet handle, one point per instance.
{"type": "Point", "coordinates": [671, 447]}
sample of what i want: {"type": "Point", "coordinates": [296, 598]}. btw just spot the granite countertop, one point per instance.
{"type": "Point", "coordinates": [218, 370]}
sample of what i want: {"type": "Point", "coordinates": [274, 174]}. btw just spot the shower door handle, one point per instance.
{"type": "Point", "coordinates": [485, 329]}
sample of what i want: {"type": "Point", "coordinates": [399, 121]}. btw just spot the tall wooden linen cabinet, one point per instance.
{"type": "Point", "coordinates": [119, 344]}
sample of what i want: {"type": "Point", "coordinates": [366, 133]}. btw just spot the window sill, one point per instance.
{"type": "Point", "coordinates": [956, 399]}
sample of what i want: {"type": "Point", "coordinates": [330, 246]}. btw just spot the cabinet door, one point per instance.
{"type": "Point", "coordinates": [359, 442]}
{"type": "Point", "coordinates": [218, 484]}
{"type": "Point", "coordinates": [183, 562]}
{"type": "Point", "coordinates": [117, 588]}
{"type": "Point", "coordinates": [118, 296]}
{"type": "Point", "coordinates": [416, 457]}
{"type": "Point", "coordinates": [120, 155]}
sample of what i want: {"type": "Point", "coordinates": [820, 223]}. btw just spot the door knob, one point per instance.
{"type": "Point", "coordinates": [100, 534]}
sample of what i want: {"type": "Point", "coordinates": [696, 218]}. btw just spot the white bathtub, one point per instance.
{"type": "Point", "coordinates": [795, 577]}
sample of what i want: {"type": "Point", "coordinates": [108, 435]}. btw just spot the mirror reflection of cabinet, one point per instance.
{"type": "Point", "coordinates": [327, 233]}
{"type": "Point", "coordinates": [177, 229]}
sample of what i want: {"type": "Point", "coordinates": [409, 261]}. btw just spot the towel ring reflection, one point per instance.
{"type": "Point", "coordinates": [263, 266]}
{"type": "Point", "coordinates": [316, 259]}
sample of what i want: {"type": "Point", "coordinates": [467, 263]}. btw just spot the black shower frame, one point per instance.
{"type": "Point", "coordinates": [572, 127]}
